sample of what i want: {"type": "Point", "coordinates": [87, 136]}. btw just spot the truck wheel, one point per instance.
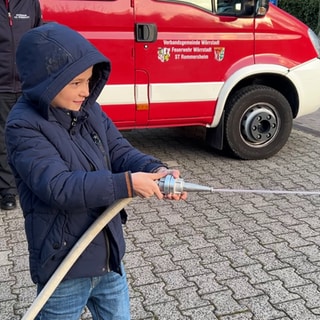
{"type": "Point", "coordinates": [258, 122]}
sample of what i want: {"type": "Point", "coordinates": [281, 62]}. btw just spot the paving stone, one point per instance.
{"type": "Point", "coordinates": [142, 236]}
{"type": "Point", "coordinates": [4, 261]}
{"type": "Point", "coordinates": [238, 316]}
{"type": "Point", "coordinates": [242, 288]}
{"type": "Point", "coordinates": [313, 222]}
{"type": "Point", "coordinates": [151, 249]}
{"type": "Point", "coordinates": [181, 252]}
{"type": "Point", "coordinates": [167, 310]}
{"type": "Point", "coordinates": [276, 291]}
{"type": "Point", "coordinates": [168, 238]}
{"type": "Point", "coordinates": [256, 274]}
{"type": "Point", "coordinates": [206, 283]}
{"type": "Point", "coordinates": [234, 215]}
{"type": "Point", "coordinates": [134, 225]}
{"type": "Point", "coordinates": [198, 241]}
{"type": "Point", "coordinates": [223, 270]}
{"type": "Point", "coordinates": [224, 244]}
{"type": "Point", "coordinates": [269, 261]}
{"type": "Point", "coordinates": [282, 250]}
{"type": "Point", "coordinates": [294, 239]}
{"type": "Point", "coordinates": [149, 217]}
{"type": "Point", "coordinates": [162, 263]}
{"type": "Point", "coordinates": [253, 247]}
{"type": "Point", "coordinates": [19, 249]}
{"type": "Point", "coordinates": [192, 267]}
{"type": "Point", "coordinates": [314, 277]}
{"type": "Point", "coordinates": [301, 264]}
{"type": "Point", "coordinates": [197, 223]}
{"type": "Point", "coordinates": [209, 255]}
{"type": "Point", "coordinates": [266, 236]}
{"type": "Point", "coordinates": [289, 277]}
{"type": "Point", "coordinates": [135, 259]}
{"type": "Point", "coordinates": [297, 310]}
{"type": "Point", "coordinates": [310, 293]}
{"type": "Point", "coordinates": [261, 308]}
{"type": "Point", "coordinates": [212, 232]}
{"type": "Point", "coordinates": [176, 279]}
{"type": "Point", "coordinates": [188, 298]}
{"type": "Point", "coordinates": [238, 258]}
{"type": "Point", "coordinates": [7, 310]}
{"type": "Point", "coordinates": [5, 274]}
{"type": "Point", "coordinates": [137, 309]}
{"type": "Point", "coordinates": [202, 313]}
{"type": "Point", "coordinates": [154, 293]}
{"type": "Point", "coordinates": [251, 226]}
{"type": "Point", "coordinates": [224, 302]}
{"type": "Point", "coordinates": [22, 279]}
{"type": "Point", "coordinates": [277, 228]}
{"type": "Point", "coordinates": [288, 220]}
{"type": "Point", "coordinates": [185, 230]}
{"type": "Point", "coordinates": [143, 275]}
{"type": "Point", "coordinates": [239, 235]}
{"type": "Point", "coordinates": [212, 213]}
{"type": "Point", "coordinates": [304, 230]}
{"type": "Point", "coordinates": [224, 224]}
{"type": "Point", "coordinates": [312, 252]}
{"type": "Point", "coordinates": [160, 229]}
{"type": "Point", "coordinates": [263, 218]}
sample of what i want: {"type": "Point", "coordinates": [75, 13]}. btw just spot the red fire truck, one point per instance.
{"type": "Point", "coordinates": [244, 69]}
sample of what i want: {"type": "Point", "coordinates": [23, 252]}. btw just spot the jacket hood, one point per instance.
{"type": "Point", "coordinates": [50, 56]}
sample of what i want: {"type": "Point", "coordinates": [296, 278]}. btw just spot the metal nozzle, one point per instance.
{"type": "Point", "coordinates": [169, 184]}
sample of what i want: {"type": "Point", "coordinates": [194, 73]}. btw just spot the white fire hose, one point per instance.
{"type": "Point", "coordinates": [73, 255]}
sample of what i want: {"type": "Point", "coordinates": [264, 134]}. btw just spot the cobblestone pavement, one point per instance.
{"type": "Point", "coordinates": [227, 256]}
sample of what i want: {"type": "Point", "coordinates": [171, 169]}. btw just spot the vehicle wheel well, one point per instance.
{"type": "Point", "coordinates": [277, 82]}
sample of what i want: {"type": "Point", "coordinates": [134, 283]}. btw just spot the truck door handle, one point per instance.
{"type": "Point", "coordinates": [146, 32]}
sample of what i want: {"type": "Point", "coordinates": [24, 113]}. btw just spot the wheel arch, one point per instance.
{"type": "Point", "coordinates": [273, 76]}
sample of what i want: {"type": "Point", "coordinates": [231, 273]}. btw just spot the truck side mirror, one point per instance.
{"type": "Point", "coordinates": [262, 7]}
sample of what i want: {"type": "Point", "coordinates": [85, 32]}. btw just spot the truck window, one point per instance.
{"type": "Point", "coordinates": [226, 6]}
{"type": "Point", "coordinates": [205, 4]}
{"type": "Point", "coordinates": [236, 7]}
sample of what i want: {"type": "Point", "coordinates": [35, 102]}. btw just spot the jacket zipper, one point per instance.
{"type": "Point", "coordinates": [97, 141]}
{"type": "Point", "coordinates": [9, 13]}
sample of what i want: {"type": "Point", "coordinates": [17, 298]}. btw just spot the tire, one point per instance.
{"type": "Point", "coordinates": [258, 123]}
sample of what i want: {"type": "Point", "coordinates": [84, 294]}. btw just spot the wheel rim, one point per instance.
{"type": "Point", "coordinates": [259, 125]}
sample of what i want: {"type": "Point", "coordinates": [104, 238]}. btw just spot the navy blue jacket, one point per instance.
{"type": "Point", "coordinates": [24, 15]}
{"type": "Point", "coordinates": [69, 166]}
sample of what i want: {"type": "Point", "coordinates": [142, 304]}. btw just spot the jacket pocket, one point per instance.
{"type": "Point", "coordinates": [54, 241]}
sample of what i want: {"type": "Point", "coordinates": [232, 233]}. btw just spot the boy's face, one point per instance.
{"type": "Point", "coordinates": [74, 93]}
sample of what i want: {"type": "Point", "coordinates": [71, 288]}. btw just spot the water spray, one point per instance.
{"type": "Point", "coordinates": [169, 184]}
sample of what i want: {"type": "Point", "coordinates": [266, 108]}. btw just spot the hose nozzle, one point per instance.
{"type": "Point", "coordinates": [169, 184]}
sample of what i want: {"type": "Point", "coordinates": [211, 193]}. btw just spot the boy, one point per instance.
{"type": "Point", "coordinates": [70, 163]}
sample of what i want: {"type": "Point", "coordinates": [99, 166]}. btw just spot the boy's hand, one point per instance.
{"type": "Point", "coordinates": [145, 184]}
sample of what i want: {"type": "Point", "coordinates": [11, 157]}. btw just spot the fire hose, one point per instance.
{"type": "Point", "coordinates": [73, 255]}
{"type": "Point", "coordinates": [166, 185]}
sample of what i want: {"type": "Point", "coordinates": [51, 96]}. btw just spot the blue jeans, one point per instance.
{"type": "Point", "coordinates": [107, 297]}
